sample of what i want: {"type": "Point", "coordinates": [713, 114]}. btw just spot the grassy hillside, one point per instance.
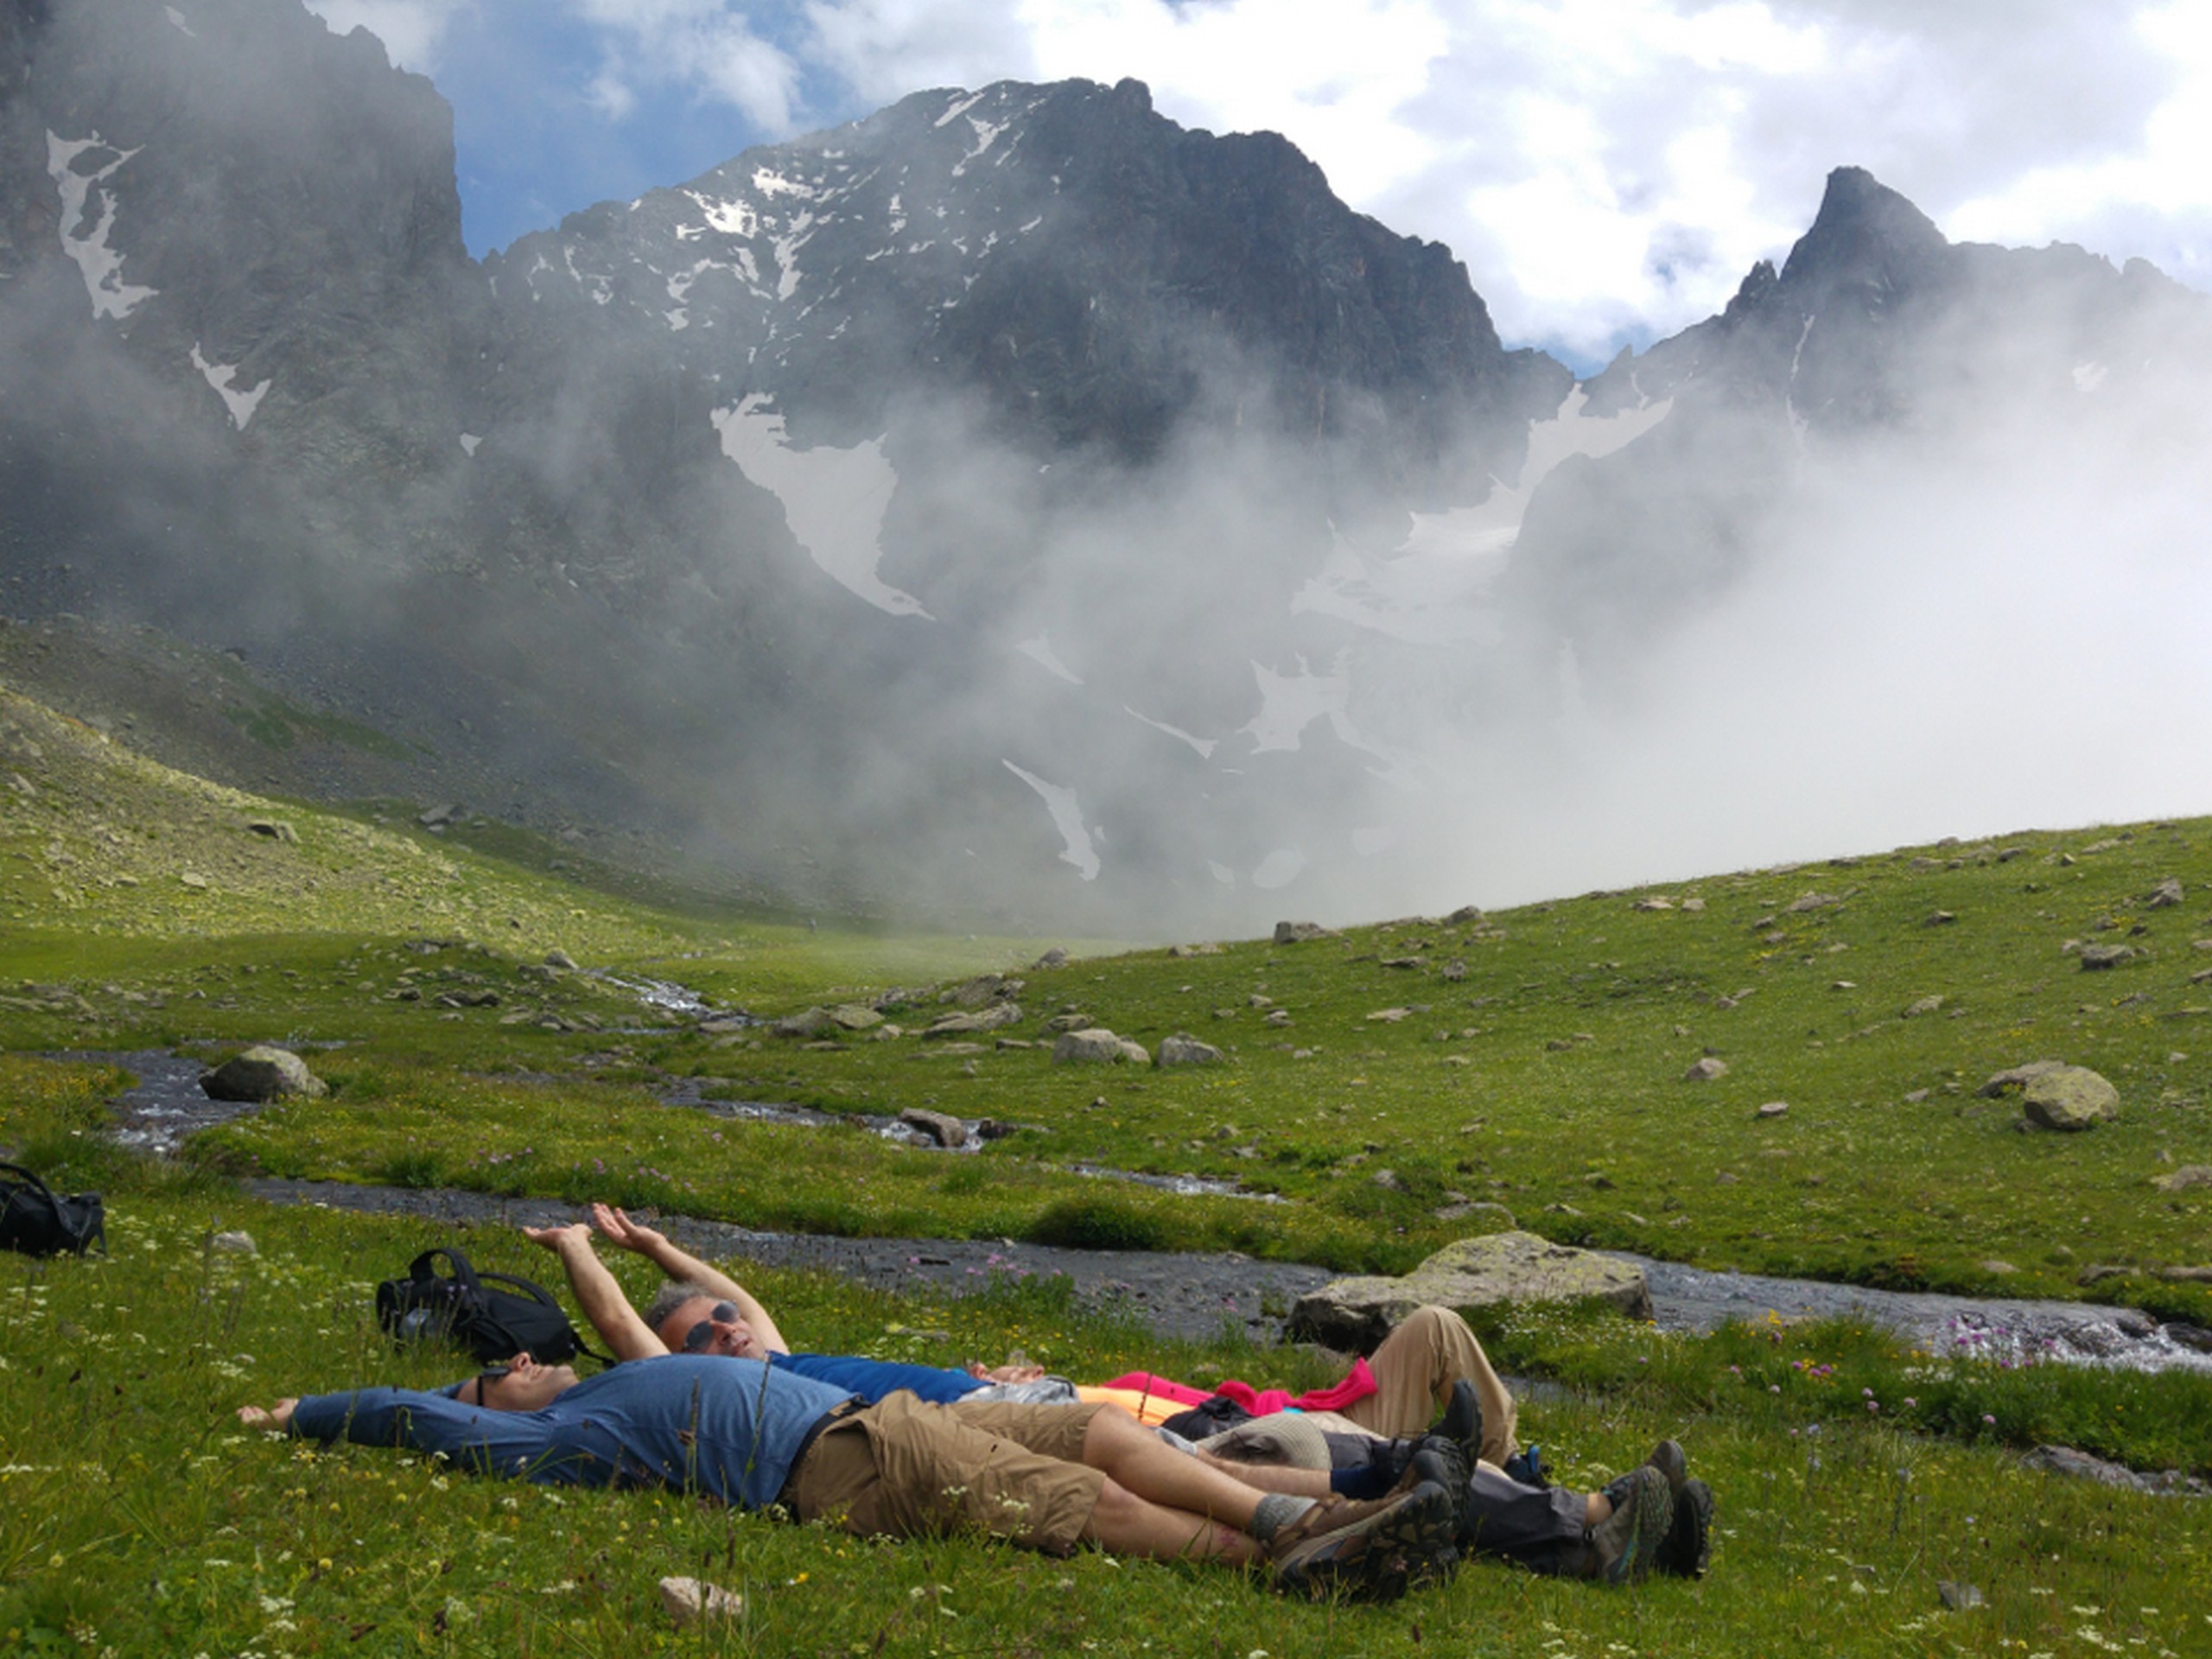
{"type": "Point", "coordinates": [1374, 1083]}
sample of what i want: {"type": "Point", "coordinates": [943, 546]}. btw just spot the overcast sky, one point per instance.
{"type": "Point", "coordinates": [1608, 169]}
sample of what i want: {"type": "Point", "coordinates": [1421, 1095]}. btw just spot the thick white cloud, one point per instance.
{"type": "Point", "coordinates": [1607, 169]}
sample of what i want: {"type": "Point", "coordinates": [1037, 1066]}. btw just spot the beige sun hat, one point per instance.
{"type": "Point", "coordinates": [1282, 1437]}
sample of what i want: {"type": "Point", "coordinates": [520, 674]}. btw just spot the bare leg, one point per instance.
{"type": "Point", "coordinates": [1130, 1454]}
{"type": "Point", "coordinates": [1271, 1477]}
{"type": "Point", "coordinates": [1130, 1525]}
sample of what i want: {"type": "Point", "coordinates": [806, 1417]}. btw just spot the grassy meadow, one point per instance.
{"type": "Point", "coordinates": [1392, 1087]}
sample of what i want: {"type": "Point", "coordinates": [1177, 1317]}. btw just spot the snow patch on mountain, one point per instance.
{"type": "Point", "coordinates": [100, 265]}
{"type": "Point", "coordinates": [1067, 818]}
{"type": "Point", "coordinates": [1427, 590]}
{"type": "Point", "coordinates": [220, 376]}
{"type": "Point", "coordinates": [833, 500]}
{"type": "Point", "coordinates": [1291, 703]}
{"type": "Point", "coordinates": [1040, 650]}
{"type": "Point", "coordinates": [1205, 745]}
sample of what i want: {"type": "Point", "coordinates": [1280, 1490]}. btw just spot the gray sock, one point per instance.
{"type": "Point", "coordinates": [1275, 1510]}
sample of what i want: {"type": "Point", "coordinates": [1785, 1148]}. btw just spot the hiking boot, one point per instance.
{"type": "Point", "coordinates": [1372, 1558]}
{"type": "Point", "coordinates": [1526, 1467]}
{"type": "Point", "coordinates": [1462, 1422]}
{"type": "Point", "coordinates": [1438, 1459]}
{"type": "Point", "coordinates": [1330, 1515]}
{"type": "Point", "coordinates": [1671, 1460]}
{"type": "Point", "coordinates": [1625, 1547]}
{"type": "Point", "coordinates": [1688, 1546]}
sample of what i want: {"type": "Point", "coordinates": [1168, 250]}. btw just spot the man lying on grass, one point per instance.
{"type": "Point", "coordinates": [1640, 1521]}
{"type": "Point", "coordinates": [1047, 1478]}
{"type": "Point", "coordinates": [1397, 1391]}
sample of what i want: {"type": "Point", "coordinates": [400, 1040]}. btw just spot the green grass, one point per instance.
{"type": "Point", "coordinates": [1537, 1065]}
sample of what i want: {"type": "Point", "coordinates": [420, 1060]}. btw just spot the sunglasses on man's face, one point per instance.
{"type": "Point", "coordinates": [696, 1338]}
{"type": "Point", "coordinates": [489, 1375]}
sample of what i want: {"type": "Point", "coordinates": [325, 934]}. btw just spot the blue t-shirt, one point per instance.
{"type": "Point", "coordinates": [872, 1379]}
{"type": "Point", "coordinates": [729, 1427]}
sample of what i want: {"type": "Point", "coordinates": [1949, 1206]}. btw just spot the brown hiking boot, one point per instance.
{"type": "Point", "coordinates": [1371, 1558]}
{"type": "Point", "coordinates": [1626, 1547]}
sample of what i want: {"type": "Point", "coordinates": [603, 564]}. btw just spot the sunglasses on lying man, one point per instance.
{"type": "Point", "coordinates": [696, 1338]}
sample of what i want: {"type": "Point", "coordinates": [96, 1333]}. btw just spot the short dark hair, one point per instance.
{"type": "Point", "coordinates": [673, 1295]}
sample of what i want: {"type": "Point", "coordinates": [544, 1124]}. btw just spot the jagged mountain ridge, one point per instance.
{"type": "Point", "coordinates": [1009, 493]}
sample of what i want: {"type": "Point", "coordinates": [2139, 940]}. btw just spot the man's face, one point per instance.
{"type": "Point", "coordinates": [525, 1386]}
{"type": "Point", "coordinates": [702, 1325]}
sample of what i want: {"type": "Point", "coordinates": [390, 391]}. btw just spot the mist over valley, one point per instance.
{"type": "Point", "coordinates": [1015, 506]}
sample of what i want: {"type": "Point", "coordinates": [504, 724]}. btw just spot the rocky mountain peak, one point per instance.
{"type": "Point", "coordinates": [1867, 243]}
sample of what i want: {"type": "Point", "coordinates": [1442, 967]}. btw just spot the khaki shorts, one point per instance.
{"type": "Point", "coordinates": [904, 1469]}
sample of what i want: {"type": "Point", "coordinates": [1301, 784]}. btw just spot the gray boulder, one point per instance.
{"type": "Point", "coordinates": [1301, 932]}
{"type": "Point", "coordinates": [2070, 1097]}
{"type": "Point", "coordinates": [1356, 1315]}
{"type": "Point", "coordinates": [2017, 1076]}
{"type": "Point", "coordinates": [1708, 1070]}
{"type": "Point", "coordinates": [262, 1074]}
{"type": "Point", "coordinates": [1097, 1046]}
{"type": "Point", "coordinates": [982, 989]}
{"type": "Point", "coordinates": [2182, 1179]}
{"type": "Point", "coordinates": [807, 1022]}
{"type": "Point", "coordinates": [1182, 1050]}
{"type": "Point", "coordinates": [855, 1016]}
{"type": "Point", "coordinates": [943, 1128]}
{"type": "Point", "coordinates": [2165, 895]}
{"type": "Point", "coordinates": [970, 1024]}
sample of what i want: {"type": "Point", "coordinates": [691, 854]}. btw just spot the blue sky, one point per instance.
{"type": "Point", "coordinates": [1607, 169]}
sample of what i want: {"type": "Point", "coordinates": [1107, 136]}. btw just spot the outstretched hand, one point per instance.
{"type": "Point", "coordinates": [1008, 1373]}
{"type": "Point", "coordinates": [279, 1418]}
{"type": "Point", "coordinates": [552, 1238]}
{"type": "Point", "coordinates": [621, 1231]}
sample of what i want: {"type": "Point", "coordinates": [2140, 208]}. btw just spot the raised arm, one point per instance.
{"type": "Point", "coordinates": [597, 1292]}
{"type": "Point", "coordinates": [679, 1264]}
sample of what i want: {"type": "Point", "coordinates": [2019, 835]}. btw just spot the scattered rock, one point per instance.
{"type": "Point", "coordinates": [438, 817]}
{"type": "Point", "coordinates": [1940, 917]}
{"type": "Point", "coordinates": [687, 1601]}
{"type": "Point", "coordinates": [1464, 915]}
{"type": "Point", "coordinates": [1958, 1596]}
{"type": "Point", "coordinates": [1302, 932]}
{"type": "Point", "coordinates": [2097, 956]}
{"type": "Point", "coordinates": [2187, 1176]}
{"type": "Point", "coordinates": [1926, 1005]}
{"type": "Point", "coordinates": [1277, 1017]}
{"type": "Point", "coordinates": [478, 999]}
{"type": "Point", "coordinates": [233, 1242]}
{"type": "Point", "coordinates": [193, 879]}
{"type": "Point", "coordinates": [807, 1022]}
{"type": "Point", "coordinates": [1356, 1315]}
{"type": "Point", "coordinates": [1655, 903]}
{"type": "Point", "coordinates": [2186, 1275]}
{"type": "Point", "coordinates": [1694, 906]}
{"type": "Point", "coordinates": [1389, 1180]}
{"type": "Point", "coordinates": [559, 958]}
{"type": "Point", "coordinates": [2165, 895]}
{"type": "Point", "coordinates": [858, 1016]}
{"type": "Point", "coordinates": [982, 989]}
{"type": "Point", "coordinates": [943, 1128]}
{"type": "Point", "coordinates": [2080, 1465]}
{"type": "Point", "coordinates": [1182, 1049]}
{"type": "Point", "coordinates": [998, 1015]}
{"type": "Point", "coordinates": [2016, 1077]}
{"type": "Point", "coordinates": [1773, 1109]}
{"type": "Point", "coordinates": [1095, 1045]}
{"type": "Point", "coordinates": [1389, 1016]}
{"type": "Point", "coordinates": [273, 829]}
{"type": "Point", "coordinates": [1052, 959]}
{"type": "Point", "coordinates": [1997, 1269]}
{"type": "Point", "coordinates": [262, 1074]}
{"type": "Point", "coordinates": [2069, 1097]}
{"type": "Point", "coordinates": [1706, 1070]}
{"type": "Point", "coordinates": [1810, 901]}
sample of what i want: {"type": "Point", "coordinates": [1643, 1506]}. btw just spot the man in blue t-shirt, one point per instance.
{"type": "Point", "coordinates": [1048, 1478]}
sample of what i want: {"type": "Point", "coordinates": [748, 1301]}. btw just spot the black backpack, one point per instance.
{"type": "Point", "coordinates": [494, 1315]}
{"type": "Point", "coordinates": [38, 1221]}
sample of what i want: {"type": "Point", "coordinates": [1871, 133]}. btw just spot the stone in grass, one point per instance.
{"type": "Point", "coordinates": [1508, 1269]}
{"type": "Point", "coordinates": [1958, 1596]}
{"type": "Point", "coordinates": [2187, 1176]}
{"type": "Point", "coordinates": [262, 1074]}
{"type": "Point", "coordinates": [687, 1601]}
{"type": "Point", "coordinates": [1184, 1049]}
{"type": "Point", "coordinates": [2017, 1076]}
{"type": "Point", "coordinates": [1773, 1109]}
{"type": "Point", "coordinates": [1097, 1046]}
{"type": "Point", "coordinates": [560, 959]}
{"type": "Point", "coordinates": [2096, 956]}
{"type": "Point", "coordinates": [2070, 1097]}
{"type": "Point", "coordinates": [1301, 932]}
{"type": "Point", "coordinates": [1706, 1070]}
{"type": "Point", "coordinates": [231, 1243]}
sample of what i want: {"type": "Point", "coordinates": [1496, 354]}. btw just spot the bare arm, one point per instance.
{"type": "Point", "coordinates": [597, 1292]}
{"type": "Point", "coordinates": [681, 1264]}
{"type": "Point", "coordinates": [279, 1417]}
